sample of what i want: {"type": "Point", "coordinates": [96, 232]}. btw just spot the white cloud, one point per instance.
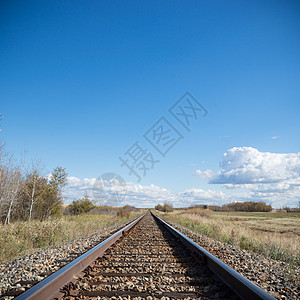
{"type": "Point", "coordinates": [116, 193]}
{"type": "Point", "coordinates": [275, 137]}
{"type": "Point", "coordinates": [246, 174]}
{"type": "Point", "coordinates": [138, 195]}
{"type": "Point", "coordinates": [273, 177]}
{"type": "Point", "coordinates": [207, 174]}
{"type": "Point", "coordinates": [242, 165]}
{"type": "Point", "coordinates": [194, 196]}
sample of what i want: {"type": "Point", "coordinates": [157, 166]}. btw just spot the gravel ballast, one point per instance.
{"type": "Point", "coordinates": [22, 273]}
{"type": "Point", "coordinates": [278, 278]}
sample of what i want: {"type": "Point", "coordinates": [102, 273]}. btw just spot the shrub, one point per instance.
{"type": "Point", "coordinates": [123, 213]}
{"type": "Point", "coordinates": [167, 207]}
{"type": "Point", "coordinates": [81, 206]}
{"type": "Point", "coordinates": [159, 207]}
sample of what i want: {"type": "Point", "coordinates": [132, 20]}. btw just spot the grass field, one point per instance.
{"type": "Point", "coordinates": [20, 238]}
{"type": "Point", "coordinates": [275, 235]}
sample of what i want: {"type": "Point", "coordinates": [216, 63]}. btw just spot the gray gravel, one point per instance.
{"type": "Point", "coordinates": [28, 270]}
{"type": "Point", "coordinates": [279, 279]}
{"type": "Point", "coordinates": [138, 266]}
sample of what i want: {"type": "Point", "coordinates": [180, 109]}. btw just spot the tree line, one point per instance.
{"type": "Point", "coordinates": [28, 194]}
{"type": "Point", "coordinates": [248, 206]}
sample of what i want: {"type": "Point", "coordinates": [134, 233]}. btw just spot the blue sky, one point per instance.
{"type": "Point", "coordinates": [82, 81]}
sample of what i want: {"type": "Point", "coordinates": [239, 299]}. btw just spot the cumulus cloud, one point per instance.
{"type": "Point", "coordinates": [137, 194]}
{"type": "Point", "coordinates": [277, 194]}
{"type": "Point", "coordinates": [116, 193]}
{"type": "Point", "coordinates": [273, 177]}
{"type": "Point", "coordinates": [247, 165]}
{"type": "Point", "coordinates": [207, 174]}
{"type": "Point", "coordinates": [195, 196]}
{"type": "Point", "coordinates": [245, 173]}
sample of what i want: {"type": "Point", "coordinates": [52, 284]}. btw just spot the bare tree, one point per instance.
{"type": "Point", "coordinates": [13, 190]}
{"type": "Point", "coordinates": [34, 178]}
{"type": "Point", "coordinates": [10, 180]}
{"type": "Point", "coordinates": [33, 188]}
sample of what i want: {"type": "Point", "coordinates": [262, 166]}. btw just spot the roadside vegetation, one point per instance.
{"type": "Point", "coordinates": [24, 237]}
{"type": "Point", "coordinates": [275, 235]}
{"type": "Point", "coordinates": [166, 207]}
{"type": "Point", "coordinates": [32, 212]}
{"type": "Point", "coordinates": [28, 195]}
{"type": "Point", "coordinates": [79, 207]}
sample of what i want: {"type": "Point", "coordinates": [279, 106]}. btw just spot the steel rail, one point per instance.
{"type": "Point", "coordinates": [243, 287]}
{"type": "Point", "coordinates": [51, 285]}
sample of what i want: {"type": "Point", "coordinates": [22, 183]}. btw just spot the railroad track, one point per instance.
{"type": "Point", "coordinates": [148, 259]}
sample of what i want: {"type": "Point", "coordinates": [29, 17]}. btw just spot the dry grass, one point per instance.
{"type": "Point", "coordinates": [274, 235]}
{"type": "Point", "coordinates": [199, 212]}
{"type": "Point", "coordinates": [22, 238]}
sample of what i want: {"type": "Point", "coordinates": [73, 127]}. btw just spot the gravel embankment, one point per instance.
{"type": "Point", "coordinates": [148, 263]}
{"type": "Point", "coordinates": [277, 278]}
{"type": "Point", "coordinates": [27, 271]}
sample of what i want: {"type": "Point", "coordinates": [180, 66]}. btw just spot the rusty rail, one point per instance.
{"type": "Point", "coordinates": [50, 286]}
{"type": "Point", "coordinates": [243, 287]}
